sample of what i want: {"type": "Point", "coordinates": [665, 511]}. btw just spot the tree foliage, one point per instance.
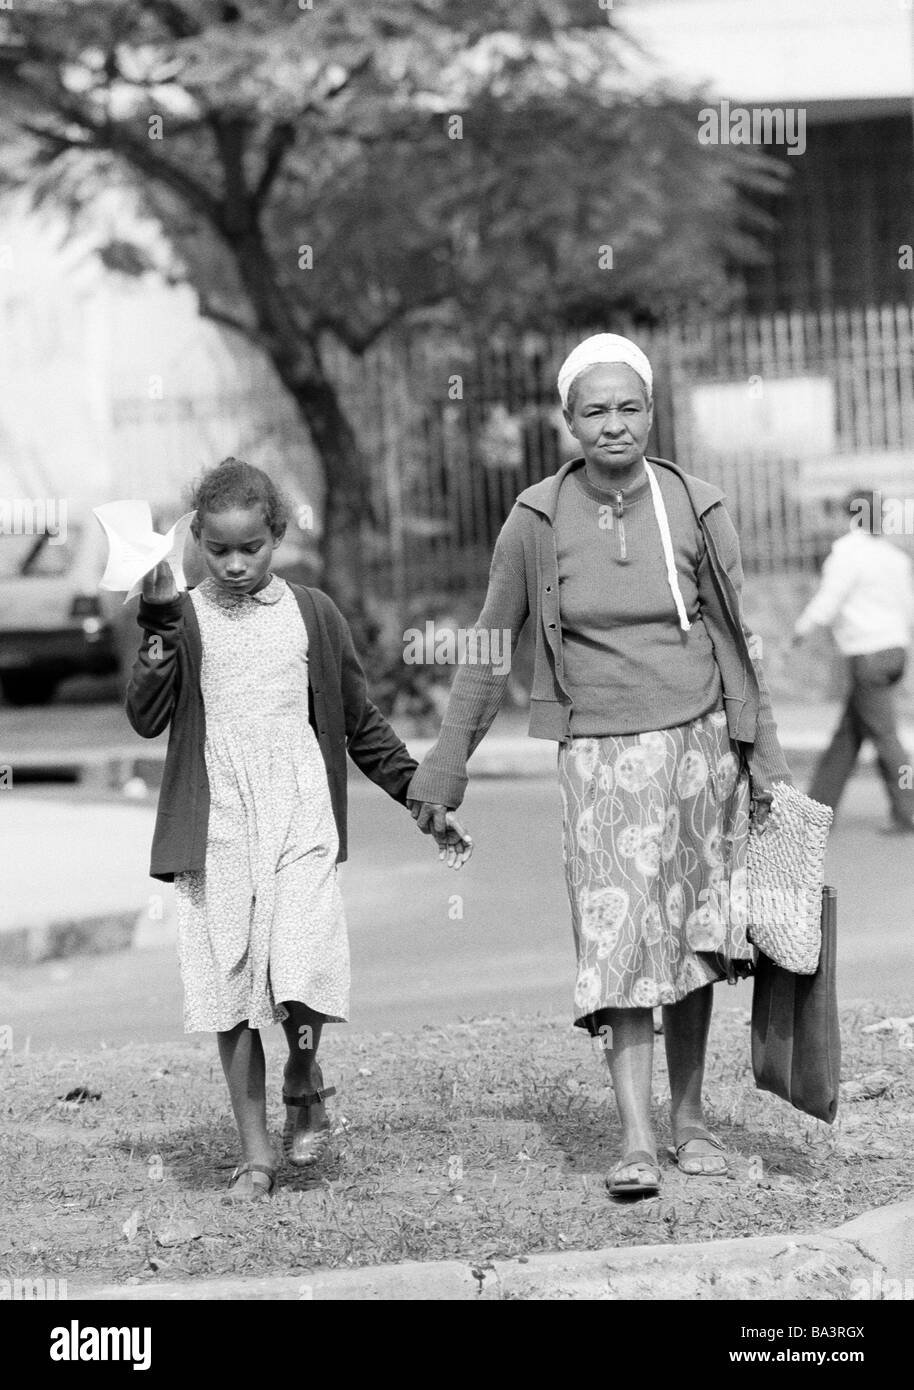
{"type": "Point", "coordinates": [331, 167]}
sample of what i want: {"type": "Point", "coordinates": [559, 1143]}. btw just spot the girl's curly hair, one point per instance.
{"type": "Point", "coordinates": [234, 483]}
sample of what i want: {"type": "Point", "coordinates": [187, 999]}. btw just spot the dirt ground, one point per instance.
{"type": "Point", "coordinates": [488, 1138]}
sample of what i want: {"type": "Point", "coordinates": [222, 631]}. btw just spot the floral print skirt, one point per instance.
{"type": "Point", "coordinates": [654, 842]}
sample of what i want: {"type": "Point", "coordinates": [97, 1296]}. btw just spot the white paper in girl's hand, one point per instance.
{"type": "Point", "coordinates": [134, 548]}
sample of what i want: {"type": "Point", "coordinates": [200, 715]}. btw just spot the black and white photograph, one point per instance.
{"type": "Point", "coordinates": [456, 690]}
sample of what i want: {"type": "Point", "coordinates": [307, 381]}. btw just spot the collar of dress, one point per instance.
{"type": "Point", "coordinates": [271, 592]}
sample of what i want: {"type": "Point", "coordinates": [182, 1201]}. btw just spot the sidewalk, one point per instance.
{"type": "Point", "coordinates": [77, 876]}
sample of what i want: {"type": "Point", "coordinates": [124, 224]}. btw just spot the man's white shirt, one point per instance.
{"type": "Point", "coordinates": [866, 595]}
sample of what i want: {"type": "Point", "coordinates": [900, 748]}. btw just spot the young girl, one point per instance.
{"type": "Point", "coordinates": [263, 691]}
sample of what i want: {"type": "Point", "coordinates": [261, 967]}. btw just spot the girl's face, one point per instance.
{"type": "Point", "coordinates": [237, 547]}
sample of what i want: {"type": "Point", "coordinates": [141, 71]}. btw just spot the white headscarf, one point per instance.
{"type": "Point", "coordinates": [604, 349]}
{"type": "Point", "coordinates": [598, 351]}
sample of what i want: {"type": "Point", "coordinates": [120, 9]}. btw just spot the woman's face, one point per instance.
{"type": "Point", "coordinates": [610, 416]}
{"type": "Point", "coordinates": [237, 547]}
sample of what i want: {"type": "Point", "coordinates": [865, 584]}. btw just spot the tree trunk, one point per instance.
{"type": "Point", "coordinates": [295, 354]}
{"type": "Point", "coordinates": [346, 481]}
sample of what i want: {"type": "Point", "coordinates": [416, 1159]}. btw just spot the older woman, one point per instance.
{"type": "Point", "coordinates": [645, 675]}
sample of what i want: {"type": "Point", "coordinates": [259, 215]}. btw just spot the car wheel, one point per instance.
{"type": "Point", "coordinates": [27, 688]}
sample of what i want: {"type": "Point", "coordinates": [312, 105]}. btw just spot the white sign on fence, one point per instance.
{"type": "Point", "coordinates": [787, 417]}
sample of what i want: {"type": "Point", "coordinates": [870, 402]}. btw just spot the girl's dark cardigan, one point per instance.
{"type": "Point", "coordinates": [165, 689]}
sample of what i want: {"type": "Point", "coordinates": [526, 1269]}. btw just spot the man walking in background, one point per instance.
{"type": "Point", "coordinates": [866, 598]}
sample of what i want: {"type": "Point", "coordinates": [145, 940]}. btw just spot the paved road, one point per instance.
{"type": "Point", "coordinates": [83, 721]}
{"type": "Point", "coordinates": [430, 945]}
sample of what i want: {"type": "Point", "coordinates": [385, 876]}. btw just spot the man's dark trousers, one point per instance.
{"type": "Point", "coordinates": [869, 714]}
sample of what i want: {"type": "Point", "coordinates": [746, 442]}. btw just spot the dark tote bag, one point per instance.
{"type": "Point", "coordinates": [796, 1045]}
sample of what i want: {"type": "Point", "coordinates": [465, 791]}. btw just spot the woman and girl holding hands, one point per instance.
{"type": "Point", "coordinates": [643, 676]}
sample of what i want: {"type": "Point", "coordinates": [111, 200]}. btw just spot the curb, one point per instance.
{"type": "Point", "coordinates": [131, 929]}
{"type": "Point", "coordinates": [78, 936]}
{"type": "Point", "coordinates": [93, 768]}
{"type": "Point", "coordinates": [518, 755]}
{"type": "Point", "coordinates": [870, 1258]}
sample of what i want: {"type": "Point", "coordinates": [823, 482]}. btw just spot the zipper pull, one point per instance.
{"type": "Point", "coordinates": [621, 526]}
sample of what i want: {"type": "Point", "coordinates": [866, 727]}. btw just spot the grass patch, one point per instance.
{"type": "Point", "coordinates": [489, 1138]}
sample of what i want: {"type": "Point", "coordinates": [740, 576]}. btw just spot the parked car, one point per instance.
{"type": "Point", "coordinates": [56, 622]}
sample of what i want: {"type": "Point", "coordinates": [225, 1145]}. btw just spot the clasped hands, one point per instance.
{"type": "Point", "coordinates": [454, 844]}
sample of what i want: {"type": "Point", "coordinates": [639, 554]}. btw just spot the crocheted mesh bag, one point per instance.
{"type": "Point", "coordinates": [785, 872]}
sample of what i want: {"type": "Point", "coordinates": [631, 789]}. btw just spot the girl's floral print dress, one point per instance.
{"type": "Point", "coordinates": [264, 921]}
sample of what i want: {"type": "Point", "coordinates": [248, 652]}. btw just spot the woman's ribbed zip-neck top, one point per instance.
{"type": "Point", "coordinates": [628, 665]}
{"type": "Point", "coordinates": [523, 582]}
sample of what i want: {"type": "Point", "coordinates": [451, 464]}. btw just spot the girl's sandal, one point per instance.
{"type": "Point", "coordinates": [258, 1188]}
{"type": "Point", "coordinates": [301, 1144]}
{"type": "Point", "coordinates": [688, 1136]}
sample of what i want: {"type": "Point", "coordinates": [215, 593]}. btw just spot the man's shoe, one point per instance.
{"type": "Point", "coordinates": [899, 826]}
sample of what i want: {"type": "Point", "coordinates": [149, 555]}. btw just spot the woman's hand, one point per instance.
{"type": "Point", "coordinates": [760, 813]}
{"type": "Point", "coordinates": [456, 845]}
{"type": "Point", "coordinates": [430, 817]}
{"type": "Point", "coordinates": [159, 584]}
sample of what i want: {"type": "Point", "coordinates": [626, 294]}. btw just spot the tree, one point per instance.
{"type": "Point", "coordinates": [331, 168]}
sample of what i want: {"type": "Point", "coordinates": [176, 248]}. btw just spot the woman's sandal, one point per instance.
{"type": "Point", "coordinates": [639, 1186]}
{"type": "Point", "coordinates": [688, 1136]}
{"type": "Point", "coordinates": [311, 1142]}
{"type": "Point", "coordinates": [258, 1189]}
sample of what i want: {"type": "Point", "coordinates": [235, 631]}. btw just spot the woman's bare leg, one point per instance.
{"type": "Point", "coordinates": [685, 1035]}
{"type": "Point", "coordinates": [241, 1054]}
{"type": "Point", "coordinates": [630, 1053]}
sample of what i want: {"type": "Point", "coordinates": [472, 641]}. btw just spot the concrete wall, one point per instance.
{"type": "Point", "coordinates": [113, 387]}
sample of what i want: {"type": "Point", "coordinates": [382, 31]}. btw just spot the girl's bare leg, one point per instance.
{"type": "Point", "coordinates": [301, 1073]}
{"type": "Point", "coordinates": [630, 1054]}
{"type": "Point", "coordinates": [241, 1054]}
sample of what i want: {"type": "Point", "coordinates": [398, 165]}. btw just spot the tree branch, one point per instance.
{"type": "Point", "coordinates": [282, 138]}
{"type": "Point", "coordinates": [230, 133]}
{"type": "Point", "coordinates": [174, 19]}
{"type": "Point", "coordinates": [355, 71]}
{"type": "Point", "coordinates": [208, 310]}
{"type": "Point", "coordinates": [355, 340]}
{"type": "Point", "coordinates": [57, 142]}
{"type": "Point", "coordinates": [116, 137]}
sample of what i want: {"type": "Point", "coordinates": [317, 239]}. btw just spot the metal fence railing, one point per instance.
{"type": "Point", "coordinates": [785, 413]}
{"type": "Point", "coordinates": [776, 410]}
